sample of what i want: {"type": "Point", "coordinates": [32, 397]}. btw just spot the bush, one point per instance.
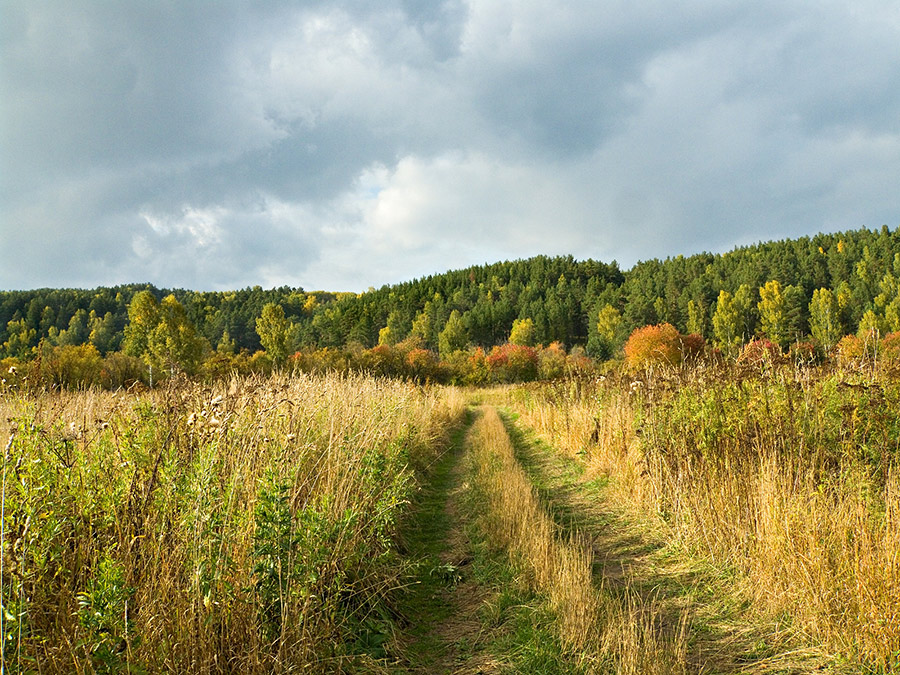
{"type": "Point", "coordinates": [650, 346]}
{"type": "Point", "coordinates": [693, 347]}
{"type": "Point", "coordinates": [760, 352]}
{"type": "Point", "coordinates": [422, 364]}
{"type": "Point", "coordinates": [552, 362]}
{"type": "Point", "coordinates": [804, 353]}
{"type": "Point", "coordinates": [121, 371]}
{"type": "Point", "coordinates": [512, 363]}
{"type": "Point", "coordinates": [850, 351]}
{"type": "Point", "coordinates": [890, 349]}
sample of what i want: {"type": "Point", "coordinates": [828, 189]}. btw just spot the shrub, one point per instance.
{"type": "Point", "coordinates": [850, 350]}
{"type": "Point", "coordinates": [552, 362]}
{"type": "Point", "coordinates": [759, 352]}
{"type": "Point", "coordinates": [121, 370]}
{"type": "Point", "coordinates": [512, 363]}
{"type": "Point", "coordinates": [693, 347]}
{"type": "Point", "coordinates": [803, 353]}
{"type": "Point", "coordinates": [422, 364]}
{"type": "Point", "coordinates": [654, 346]}
{"type": "Point", "coordinates": [890, 348]}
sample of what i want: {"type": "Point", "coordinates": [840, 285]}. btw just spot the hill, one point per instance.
{"type": "Point", "coordinates": [563, 297]}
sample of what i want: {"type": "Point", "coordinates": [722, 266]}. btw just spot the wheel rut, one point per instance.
{"type": "Point", "coordinates": [638, 567]}
{"type": "Point", "coordinates": [446, 633]}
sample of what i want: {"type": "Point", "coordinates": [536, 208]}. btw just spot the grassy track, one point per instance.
{"type": "Point", "coordinates": [654, 581]}
{"type": "Point", "coordinates": [471, 609]}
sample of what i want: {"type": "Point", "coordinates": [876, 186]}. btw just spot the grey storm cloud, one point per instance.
{"type": "Point", "coordinates": [342, 145]}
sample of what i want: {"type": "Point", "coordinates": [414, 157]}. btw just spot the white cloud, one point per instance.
{"type": "Point", "coordinates": [342, 145]}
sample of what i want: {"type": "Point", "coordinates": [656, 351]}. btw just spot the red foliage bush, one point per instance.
{"type": "Point", "coordinates": [512, 363]}
{"type": "Point", "coordinates": [758, 352]}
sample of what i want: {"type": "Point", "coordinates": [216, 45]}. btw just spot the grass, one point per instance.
{"type": "Point", "coordinates": [248, 527]}
{"type": "Point", "coordinates": [785, 480]}
{"type": "Point", "coordinates": [722, 520]}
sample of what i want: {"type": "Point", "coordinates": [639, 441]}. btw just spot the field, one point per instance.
{"type": "Point", "coordinates": [713, 519]}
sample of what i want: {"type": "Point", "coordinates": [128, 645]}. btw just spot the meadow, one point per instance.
{"type": "Point", "coordinates": [780, 481]}
{"type": "Point", "coordinates": [708, 518]}
{"type": "Point", "coordinates": [245, 527]}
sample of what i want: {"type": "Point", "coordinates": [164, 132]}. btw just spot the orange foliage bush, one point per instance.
{"type": "Point", "coordinates": [890, 349]}
{"type": "Point", "coordinates": [850, 350]}
{"type": "Point", "coordinates": [654, 346]}
{"type": "Point", "coordinates": [552, 361]}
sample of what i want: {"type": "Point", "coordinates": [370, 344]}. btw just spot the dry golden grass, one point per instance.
{"type": "Point", "coordinates": [814, 538]}
{"type": "Point", "coordinates": [606, 633]}
{"type": "Point", "coordinates": [247, 527]}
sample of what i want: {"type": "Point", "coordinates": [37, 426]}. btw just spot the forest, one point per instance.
{"type": "Point", "coordinates": [811, 290]}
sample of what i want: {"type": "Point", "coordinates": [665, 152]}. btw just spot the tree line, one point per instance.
{"type": "Point", "coordinates": [819, 288]}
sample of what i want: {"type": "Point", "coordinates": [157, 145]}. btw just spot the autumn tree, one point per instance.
{"type": "Point", "coordinates": [824, 318]}
{"type": "Point", "coordinates": [423, 323]}
{"type": "Point", "coordinates": [649, 346]}
{"type": "Point", "coordinates": [772, 317]}
{"type": "Point", "coordinates": [522, 333]}
{"type": "Point", "coordinates": [274, 332]}
{"type": "Point", "coordinates": [174, 344]}
{"type": "Point", "coordinates": [609, 324]}
{"type": "Point", "coordinates": [143, 317]}
{"type": "Point", "coordinates": [727, 324]}
{"type": "Point", "coordinates": [161, 334]}
{"type": "Point", "coordinates": [609, 320]}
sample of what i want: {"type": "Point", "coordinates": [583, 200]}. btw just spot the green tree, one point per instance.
{"type": "Point", "coordinates": [174, 344]}
{"type": "Point", "coordinates": [78, 332]}
{"type": "Point", "coordinates": [454, 337]}
{"type": "Point", "coordinates": [522, 333]}
{"type": "Point", "coordinates": [143, 317]}
{"type": "Point", "coordinates": [20, 340]}
{"type": "Point", "coordinates": [772, 315]}
{"type": "Point", "coordinates": [743, 304]}
{"type": "Point", "coordinates": [796, 305]}
{"type": "Point", "coordinates": [102, 332]}
{"type": "Point", "coordinates": [727, 324]}
{"type": "Point", "coordinates": [825, 318]}
{"type": "Point", "coordinates": [274, 332]}
{"type": "Point", "coordinates": [698, 320]}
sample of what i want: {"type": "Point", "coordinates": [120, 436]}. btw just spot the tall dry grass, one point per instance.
{"type": "Point", "coordinates": [248, 527]}
{"type": "Point", "coordinates": [607, 633]}
{"type": "Point", "coordinates": [789, 476]}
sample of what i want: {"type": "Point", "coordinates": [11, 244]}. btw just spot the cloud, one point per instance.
{"type": "Point", "coordinates": [343, 144]}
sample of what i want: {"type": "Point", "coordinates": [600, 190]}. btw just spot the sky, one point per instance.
{"type": "Point", "coordinates": [330, 145]}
